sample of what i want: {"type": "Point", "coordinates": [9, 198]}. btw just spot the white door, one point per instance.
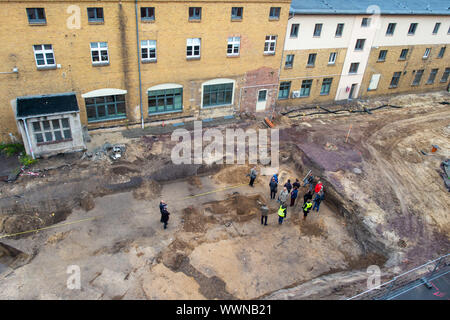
{"type": "Point", "coordinates": [262, 99]}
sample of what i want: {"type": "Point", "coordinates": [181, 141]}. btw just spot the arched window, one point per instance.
{"type": "Point", "coordinates": [105, 104]}
{"type": "Point", "coordinates": [165, 98]}
{"type": "Point", "coordinates": [218, 92]}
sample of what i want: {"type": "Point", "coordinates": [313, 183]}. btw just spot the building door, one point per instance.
{"type": "Point", "coordinates": [352, 91]}
{"type": "Point", "coordinates": [262, 100]}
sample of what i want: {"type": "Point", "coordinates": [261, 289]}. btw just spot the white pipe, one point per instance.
{"type": "Point", "coordinates": [28, 137]}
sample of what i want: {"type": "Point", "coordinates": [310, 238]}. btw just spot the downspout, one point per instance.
{"type": "Point", "coordinates": [28, 137]}
{"type": "Point", "coordinates": [139, 64]}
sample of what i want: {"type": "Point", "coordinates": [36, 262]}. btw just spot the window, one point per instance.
{"type": "Point", "coordinates": [289, 61]}
{"type": "Point", "coordinates": [99, 53]}
{"type": "Point", "coordinates": [317, 30]}
{"type": "Point", "coordinates": [339, 30]}
{"type": "Point", "coordinates": [365, 22]}
{"type": "Point", "coordinates": [326, 86]}
{"type": "Point", "coordinates": [105, 108]}
{"type": "Point", "coordinates": [274, 13]}
{"type": "Point", "coordinates": [195, 13]}
{"type": "Point", "coordinates": [332, 59]}
{"type": "Point", "coordinates": [270, 44]}
{"type": "Point", "coordinates": [417, 77]}
{"type": "Point", "coordinates": [262, 95]}
{"type": "Point", "coordinates": [193, 48]}
{"type": "Point", "coordinates": [148, 50]}
{"type": "Point", "coordinates": [217, 94]}
{"type": "Point", "coordinates": [390, 29]}
{"type": "Point", "coordinates": [285, 88]}
{"type": "Point", "coordinates": [445, 75]}
{"type": "Point", "coordinates": [237, 13]}
{"type": "Point", "coordinates": [427, 53]}
{"type": "Point", "coordinates": [44, 56]}
{"type": "Point", "coordinates": [412, 29]}
{"type": "Point", "coordinates": [56, 130]}
{"type": "Point", "coordinates": [147, 13]}
{"type": "Point", "coordinates": [168, 100]}
{"type": "Point", "coordinates": [436, 27]}
{"type": "Point", "coordinates": [36, 15]}
{"type": "Point", "coordinates": [354, 67]}
{"type": "Point", "coordinates": [395, 80]}
{"type": "Point", "coordinates": [305, 90]}
{"type": "Point", "coordinates": [360, 44]}
{"type": "Point", "coordinates": [294, 30]}
{"type": "Point", "coordinates": [311, 59]}
{"type": "Point", "coordinates": [382, 55]}
{"type": "Point", "coordinates": [95, 14]}
{"type": "Point", "coordinates": [234, 44]}
{"type": "Point", "coordinates": [441, 52]}
{"type": "Point", "coordinates": [432, 76]}
{"type": "Point", "coordinates": [404, 54]}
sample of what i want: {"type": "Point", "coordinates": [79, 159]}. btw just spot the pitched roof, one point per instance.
{"type": "Point", "coordinates": [46, 104]}
{"type": "Point", "coordinates": [395, 7]}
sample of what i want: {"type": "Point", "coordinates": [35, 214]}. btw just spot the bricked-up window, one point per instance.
{"type": "Point", "coordinates": [274, 13]}
{"type": "Point", "coordinates": [237, 13]}
{"type": "Point", "coordinates": [193, 48]}
{"type": "Point", "coordinates": [441, 52]}
{"type": "Point", "coordinates": [426, 53]}
{"type": "Point", "coordinates": [233, 47]}
{"type": "Point", "coordinates": [360, 44]}
{"type": "Point", "coordinates": [365, 22]}
{"type": "Point", "coordinates": [161, 101]}
{"type": "Point", "coordinates": [305, 90]}
{"type": "Point", "coordinates": [195, 13]}
{"type": "Point", "coordinates": [270, 44]}
{"type": "Point", "coordinates": [395, 80]}
{"type": "Point", "coordinates": [47, 131]}
{"type": "Point", "coordinates": [417, 77]}
{"type": "Point", "coordinates": [382, 55]}
{"type": "Point", "coordinates": [36, 15]}
{"type": "Point", "coordinates": [412, 28]}
{"type": "Point", "coordinates": [44, 56]}
{"type": "Point", "coordinates": [339, 30]}
{"type": "Point", "coordinates": [147, 13]}
{"type": "Point", "coordinates": [294, 30]}
{"type": "Point", "coordinates": [326, 86]}
{"type": "Point", "coordinates": [285, 88]}
{"type": "Point", "coordinates": [445, 75]}
{"type": "Point", "coordinates": [390, 29]}
{"type": "Point", "coordinates": [317, 30]}
{"type": "Point", "coordinates": [99, 53]}
{"type": "Point", "coordinates": [148, 50]}
{"type": "Point", "coordinates": [311, 59]}
{"type": "Point", "coordinates": [436, 27]}
{"type": "Point", "coordinates": [332, 58]}
{"type": "Point", "coordinates": [217, 94]}
{"type": "Point", "coordinates": [289, 61]}
{"type": "Point", "coordinates": [105, 108]}
{"type": "Point", "coordinates": [354, 67]}
{"type": "Point", "coordinates": [404, 54]}
{"type": "Point", "coordinates": [95, 14]}
{"type": "Point", "coordinates": [432, 76]}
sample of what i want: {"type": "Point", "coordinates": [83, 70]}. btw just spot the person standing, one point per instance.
{"type": "Point", "coordinates": [273, 188]}
{"type": "Point", "coordinates": [165, 217]}
{"type": "Point", "coordinates": [317, 200]}
{"type": "Point", "coordinates": [282, 212]}
{"type": "Point", "coordinates": [309, 180]}
{"type": "Point", "coordinates": [275, 176]}
{"type": "Point", "coordinates": [306, 207]}
{"type": "Point", "coordinates": [319, 187]}
{"type": "Point", "coordinates": [253, 174]}
{"type": "Point", "coordinates": [283, 196]}
{"type": "Point", "coordinates": [294, 195]}
{"type": "Point", "coordinates": [162, 206]}
{"type": "Point", "coordinates": [307, 196]}
{"type": "Point", "coordinates": [288, 186]}
{"type": "Point", "coordinates": [264, 214]}
{"type": "Point", "coordinates": [296, 184]}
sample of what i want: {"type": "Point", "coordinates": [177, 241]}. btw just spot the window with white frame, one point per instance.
{"type": "Point", "coordinates": [360, 44]}
{"type": "Point", "coordinates": [193, 48]}
{"type": "Point", "coordinates": [354, 68]}
{"type": "Point", "coordinates": [234, 44]}
{"type": "Point", "coordinates": [427, 53]}
{"type": "Point", "coordinates": [365, 22]}
{"type": "Point", "coordinates": [219, 94]}
{"type": "Point", "coordinates": [99, 53]}
{"type": "Point", "coordinates": [43, 53]}
{"type": "Point", "coordinates": [270, 44]}
{"type": "Point", "coordinates": [36, 15]}
{"type": "Point", "coordinates": [339, 30]}
{"type": "Point", "coordinates": [148, 50]}
{"type": "Point", "coordinates": [48, 131]}
{"type": "Point", "coordinates": [289, 61]}
{"type": "Point", "coordinates": [332, 59]}
{"type": "Point", "coordinates": [436, 27]}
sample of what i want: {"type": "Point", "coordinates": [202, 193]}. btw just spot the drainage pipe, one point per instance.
{"type": "Point", "coordinates": [28, 136]}
{"type": "Point", "coordinates": [139, 63]}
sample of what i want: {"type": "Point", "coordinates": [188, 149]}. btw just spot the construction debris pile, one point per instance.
{"type": "Point", "coordinates": [107, 151]}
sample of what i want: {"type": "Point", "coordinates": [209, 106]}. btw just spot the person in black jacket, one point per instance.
{"type": "Point", "coordinates": [273, 188]}
{"type": "Point", "coordinates": [296, 184]}
{"type": "Point", "coordinates": [307, 196]}
{"type": "Point", "coordinates": [165, 217]}
{"type": "Point", "coordinates": [288, 186]}
{"type": "Point", "coordinates": [162, 206]}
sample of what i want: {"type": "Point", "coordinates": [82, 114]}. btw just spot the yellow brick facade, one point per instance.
{"type": "Point", "coordinates": [171, 28]}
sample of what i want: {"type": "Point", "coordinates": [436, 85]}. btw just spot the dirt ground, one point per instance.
{"type": "Point", "coordinates": [385, 204]}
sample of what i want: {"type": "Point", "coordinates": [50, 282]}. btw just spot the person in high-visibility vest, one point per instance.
{"type": "Point", "coordinates": [306, 207]}
{"type": "Point", "coordinates": [282, 211]}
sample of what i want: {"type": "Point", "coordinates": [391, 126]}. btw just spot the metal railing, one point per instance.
{"type": "Point", "coordinates": [421, 273]}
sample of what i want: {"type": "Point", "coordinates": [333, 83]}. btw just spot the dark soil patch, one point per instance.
{"type": "Point", "coordinates": [311, 228]}
{"type": "Point", "coordinates": [122, 170]}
